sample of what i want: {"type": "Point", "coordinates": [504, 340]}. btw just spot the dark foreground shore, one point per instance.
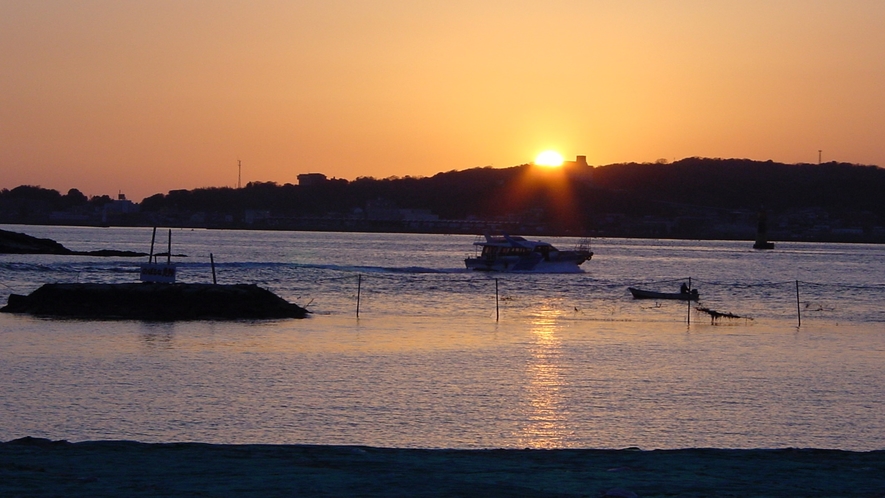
{"type": "Point", "coordinates": [31, 467]}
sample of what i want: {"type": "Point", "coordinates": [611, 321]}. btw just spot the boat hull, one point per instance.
{"type": "Point", "coordinates": [679, 296]}
{"type": "Point", "coordinates": [566, 262]}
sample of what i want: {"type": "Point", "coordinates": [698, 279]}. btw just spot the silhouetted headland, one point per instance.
{"type": "Point", "coordinates": [20, 243]}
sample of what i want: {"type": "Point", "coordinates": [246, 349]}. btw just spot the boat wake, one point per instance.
{"type": "Point", "coordinates": [326, 267]}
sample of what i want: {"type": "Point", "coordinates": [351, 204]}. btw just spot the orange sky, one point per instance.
{"type": "Point", "coordinates": [148, 96]}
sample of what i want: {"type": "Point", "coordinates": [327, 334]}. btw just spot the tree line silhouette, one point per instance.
{"type": "Point", "coordinates": [630, 188]}
{"type": "Point", "coordinates": [568, 198]}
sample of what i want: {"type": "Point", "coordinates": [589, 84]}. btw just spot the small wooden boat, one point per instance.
{"type": "Point", "coordinates": [681, 296]}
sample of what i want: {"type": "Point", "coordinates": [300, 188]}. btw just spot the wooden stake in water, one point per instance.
{"type": "Point", "coordinates": [688, 314]}
{"type": "Point", "coordinates": [798, 308]}
{"type": "Point", "coordinates": [212, 262]}
{"type": "Point", "coordinates": [153, 237]}
{"type": "Point", "coordinates": [169, 249]}
{"type": "Point", "coordinates": [359, 284]}
{"type": "Point", "coordinates": [497, 312]}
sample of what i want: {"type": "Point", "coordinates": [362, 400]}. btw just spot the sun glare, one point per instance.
{"type": "Point", "coordinates": [549, 158]}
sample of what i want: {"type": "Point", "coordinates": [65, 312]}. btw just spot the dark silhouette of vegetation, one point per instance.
{"type": "Point", "coordinates": [51, 198]}
{"type": "Point", "coordinates": [742, 183]}
{"type": "Point", "coordinates": [572, 199]}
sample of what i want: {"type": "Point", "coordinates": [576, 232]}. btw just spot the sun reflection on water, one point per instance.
{"type": "Point", "coordinates": [546, 416]}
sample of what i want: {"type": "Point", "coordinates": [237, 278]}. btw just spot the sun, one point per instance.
{"type": "Point", "coordinates": [549, 158]}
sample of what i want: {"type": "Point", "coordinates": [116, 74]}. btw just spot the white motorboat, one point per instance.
{"type": "Point", "coordinates": [512, 253]}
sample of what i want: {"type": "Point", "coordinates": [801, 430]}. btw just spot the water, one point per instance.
{"type": "Point", "coordinates": [434, 360]}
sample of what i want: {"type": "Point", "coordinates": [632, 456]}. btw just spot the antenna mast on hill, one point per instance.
{"type": "Point", "coordinates": [239, 174]}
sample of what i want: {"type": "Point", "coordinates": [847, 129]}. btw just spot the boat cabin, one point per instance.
{"type": "Point", "coordinates": [505, 248]}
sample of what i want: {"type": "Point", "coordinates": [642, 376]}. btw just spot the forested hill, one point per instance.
{"type": "Point", "coordinates": [746, 184]}
{"type": "Point", "coordinates": [631, 188]}
{"type": "Point", "coordinates": [694, 197]}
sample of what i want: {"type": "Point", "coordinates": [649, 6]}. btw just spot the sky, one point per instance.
{"type": "Point", "coordinates": [144, 97]}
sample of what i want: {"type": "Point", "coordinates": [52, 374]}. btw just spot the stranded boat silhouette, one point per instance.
{"type": "Point", "coordinates": [511, 253]}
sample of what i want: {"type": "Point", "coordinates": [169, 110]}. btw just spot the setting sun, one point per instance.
{"type": "Point", "coordinates": [549, 158]}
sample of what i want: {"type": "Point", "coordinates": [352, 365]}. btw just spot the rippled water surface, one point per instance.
{"type": "Point", "coordinates": [441, 357]}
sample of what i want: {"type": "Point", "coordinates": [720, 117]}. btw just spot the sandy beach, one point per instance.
{"type": "Point", "coordinates": [34, 467]}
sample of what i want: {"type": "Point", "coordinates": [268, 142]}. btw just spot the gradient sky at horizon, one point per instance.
{"type": "Point", "coordinates": [143, 97]}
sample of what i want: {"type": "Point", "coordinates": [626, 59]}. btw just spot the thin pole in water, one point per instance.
{"type": "Point", "coordinates": [153, 237]}
{"type": "Point", "coordinates": [359, 284]}
{"type": "Point", "coordinates": [798, 308]}
{"type": "Point", "coordinates": [169, 249]}
{"type": "Point", "coordinates": [688, 313]}
{"type": "Point", "coordinates": [212, 262]}
{"type": "Point", "coordinates": [497, 310]}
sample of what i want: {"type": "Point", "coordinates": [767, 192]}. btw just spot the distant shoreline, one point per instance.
{"type": "Point", "coordinates": [594, 235]}
{"type": "Point", "coordinates": [40, 467]}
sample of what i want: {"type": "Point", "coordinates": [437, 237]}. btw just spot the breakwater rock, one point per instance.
{"type": "Point", "coordinates": [162, 302]}
{"type": "Point", "coordinates": [20, 243]}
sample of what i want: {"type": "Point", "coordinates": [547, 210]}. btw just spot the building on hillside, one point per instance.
{"type": "Point", "coordinates": [117, 210]}
{"type": "Point", "coordinates": [580, 161]}
{"type": "Point", "coordinates": [308, 179]}
{"type": "Point", "coordinates": [579, 170]}
{"type": "Point", "coordinates": [121, 205]}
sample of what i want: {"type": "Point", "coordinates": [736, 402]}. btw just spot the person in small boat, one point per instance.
{"type": "Point", "coordinates": [684, 288]}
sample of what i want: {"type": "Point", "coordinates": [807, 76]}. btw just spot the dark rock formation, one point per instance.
{"type": "Point", "coordinates": [20, 243]}
{"type": "Point", "coordinates": [163, 302]}
{"type": "Point", "coordinates": [115, 253]}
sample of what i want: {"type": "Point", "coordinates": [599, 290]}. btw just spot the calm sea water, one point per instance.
{"type": "Point", "coordinates": [441, 357]}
